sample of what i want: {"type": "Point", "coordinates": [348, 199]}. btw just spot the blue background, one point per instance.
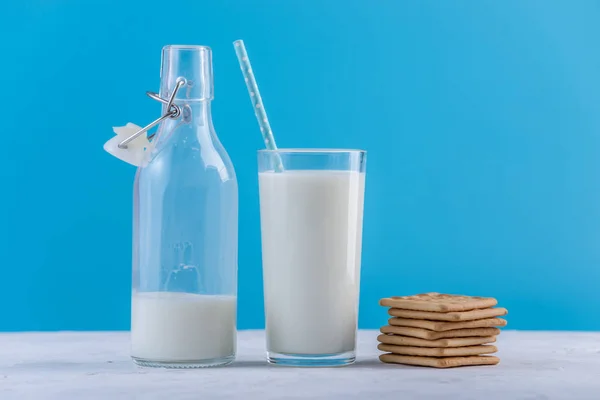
{"type": "Point", "coordinates": [481, 119]}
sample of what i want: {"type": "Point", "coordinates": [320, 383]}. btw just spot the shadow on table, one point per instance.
{"type": "Point", "coordinates": [93, 368]}
{"type": "Point", "coordinates": [359, 364]}
{"type": "Point", "coordinates": [250, 364]}
{"type": "Point", "coordinates": [368, 363]}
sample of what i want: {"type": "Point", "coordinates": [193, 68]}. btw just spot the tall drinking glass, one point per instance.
{"type": "Point", "coordinates": [311, 226]}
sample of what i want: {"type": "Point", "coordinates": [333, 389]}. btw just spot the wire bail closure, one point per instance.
{"type": "Point", "coordinates": [173, 112]}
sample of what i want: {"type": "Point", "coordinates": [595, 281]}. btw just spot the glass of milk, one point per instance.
{"type": "Point", "coordinates": [311, 227]}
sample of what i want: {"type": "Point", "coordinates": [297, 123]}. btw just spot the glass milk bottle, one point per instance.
{"type": "Point", "coordinates": [185, 229]}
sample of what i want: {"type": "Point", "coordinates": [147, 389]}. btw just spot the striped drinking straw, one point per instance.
{"type": "Point", "coordinates": [257, 104]}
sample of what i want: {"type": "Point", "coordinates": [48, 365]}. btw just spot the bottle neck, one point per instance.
{"type": "Point", "coordinates": [194, 112]}
{"type": "Point", "coordinates": [190, 65]}
{"type": "Point", "coordinates": [190, 69]}
{"type": "Point", "coordinates": [194, 125]}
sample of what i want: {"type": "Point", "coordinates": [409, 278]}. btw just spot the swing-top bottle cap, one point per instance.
{"type": "Point", "coordinates": [193, 64]}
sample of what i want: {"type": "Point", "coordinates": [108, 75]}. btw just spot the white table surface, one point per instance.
{"type": "Point", "coordinates": [70, 365]}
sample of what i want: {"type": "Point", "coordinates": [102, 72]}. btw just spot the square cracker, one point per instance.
{"type": "Point", "coordinates": [450, 342]}
{"type": "Point", "coordinates": [443, 362]}
{"type": "Point", "coordinates": [437, 351]}
{"type": "Point", "coordinates": [446, 326]}
{"type": "Point", "coordinates": [432, 335]}
{"type": "Point", "coordinates": [449, 316]}
{"type": "Point", "coordinates": [438, 302]}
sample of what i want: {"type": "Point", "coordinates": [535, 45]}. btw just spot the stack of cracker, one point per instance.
{"type": "Point", "coordinates": [440, 330]}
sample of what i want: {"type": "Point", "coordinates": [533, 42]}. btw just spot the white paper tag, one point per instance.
{"type": "Point", "coordinates": [136, 150]}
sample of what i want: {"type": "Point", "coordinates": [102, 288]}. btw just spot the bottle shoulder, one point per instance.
{"type": "Point", "coordinates": [191, 153]}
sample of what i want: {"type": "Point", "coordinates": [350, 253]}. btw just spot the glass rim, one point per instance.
{"type": "Point", "coordinates": [185, 47]}
{"type": "Point", "coordinates": [311, 151]}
